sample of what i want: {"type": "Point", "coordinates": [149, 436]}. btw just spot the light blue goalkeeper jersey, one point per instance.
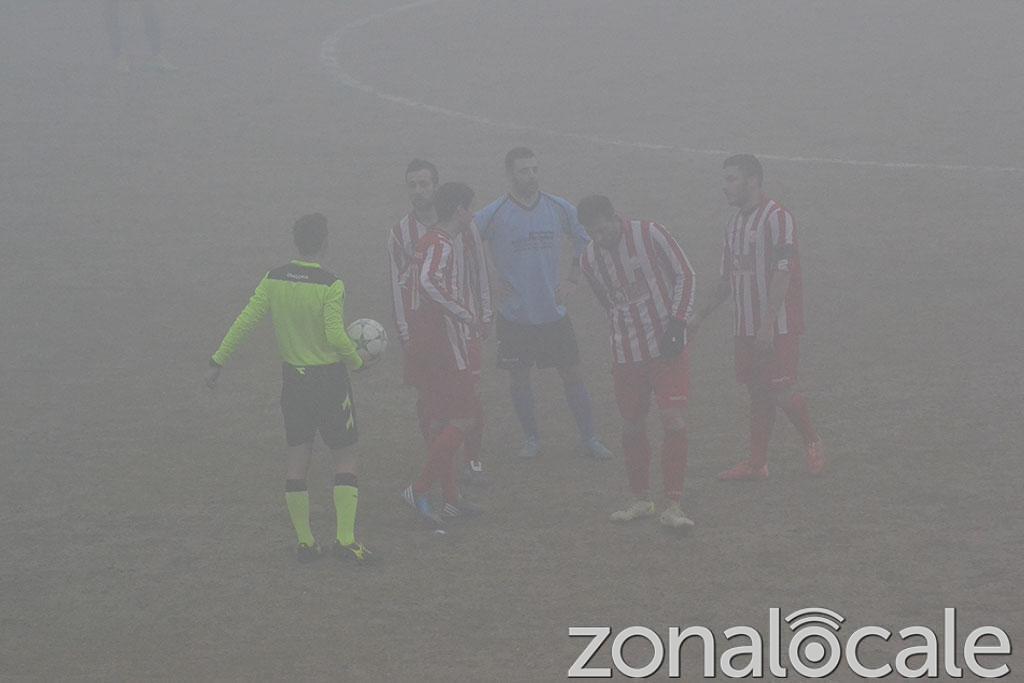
{"type": "Point", "coordinates": [526, 242]}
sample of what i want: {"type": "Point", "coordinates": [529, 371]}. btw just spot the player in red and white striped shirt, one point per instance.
{"type": "Point", "coordinates": [641, 276]}
{"type": "Point", "coordinates": [761, 270]}
{"type": "Point", "coordinates": [442, 362]}
{"type": "Point", "coordinates": [421, 178]}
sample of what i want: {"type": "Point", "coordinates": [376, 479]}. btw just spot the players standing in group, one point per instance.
{"type": "Point", "coordinates": [440, 359]}
{"type": "Point", "coordinates": [761, 270]}
{"type": "Point", "coordinates": [642, 278]}
{"type": "Point", "coordinates": [524, 230]}
{"type": "Point", "coordinates": [421, 179]}
{"type": "Point", "coordinates": [307, 305]}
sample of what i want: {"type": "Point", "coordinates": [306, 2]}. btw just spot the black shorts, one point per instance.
{"type": "Point", "coordinates": [548, 345]}
{"type": "Point", "coordinates": [318, 398]}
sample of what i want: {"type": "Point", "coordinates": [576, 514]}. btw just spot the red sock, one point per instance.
{"type": "Point", "coordinates": [474, 436]}
{"type": "Point", "coordinates": [762, 419]}
{"type": "Point", "coordinates": [674, 450]}
{"type": "Point", "coordinates": [637, 450]}
{"type": "Point", "coordinates": [442, 454]}
{"type": "Point", "coordinates": [449, 480]}
{"type": "Point", "coordinates": [800, 415]}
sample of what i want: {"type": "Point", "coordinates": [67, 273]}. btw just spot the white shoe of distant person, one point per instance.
{"type": "Point", "coordinates": [636, 510]}
{"type": "Point", "coordinates": [674, 518]}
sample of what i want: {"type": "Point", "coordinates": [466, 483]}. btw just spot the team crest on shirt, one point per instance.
{"type": "Point", "coordinates": [535, 240]}
{"type": "Point", "coordinates": [634, 292]}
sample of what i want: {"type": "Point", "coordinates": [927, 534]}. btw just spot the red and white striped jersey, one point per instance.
{"type": "Point", "coordinates": [478, 280]}
{"type": "Point", "coordinates": [403, 271]}
{"type": "Point", "coordinates": [642, 283]}
{"type": "Point", "coordinates": [441, 304]}
{"type": "Point", "coordinates": [757, 244]}
{"type": "Point", "coordinates": [402, 241]}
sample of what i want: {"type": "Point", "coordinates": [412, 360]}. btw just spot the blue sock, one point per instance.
{"type": "Point", "coordinates": [522, 401]}
{"type": "Point", "coordinates": [578, 398]}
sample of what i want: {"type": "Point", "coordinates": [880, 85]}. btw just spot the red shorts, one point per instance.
{"type": "Point", "coordinates": [776, 368]}
{"type": "Point", "coordinates": [447, 392]}
{"type": "Point", "coordinates": [411, 373]}
{"type": "Point", "coordinates": [451, 395]}
{"type": "Point", "coordinates": [669, 381]}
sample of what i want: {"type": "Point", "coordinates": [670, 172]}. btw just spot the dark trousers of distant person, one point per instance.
{"type": "Point", "coordinates": [150, 21]}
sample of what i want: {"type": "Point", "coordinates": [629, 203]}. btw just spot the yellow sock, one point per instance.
{"type": "Point", "coordinates": [346, 499]}
{"type": "Point", "coordinates": [298, 510]}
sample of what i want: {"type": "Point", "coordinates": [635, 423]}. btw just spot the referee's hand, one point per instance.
{"type": "Point", "coordinates": [367, 359]}
{"type": "Point", "coordinates": [211, 376]}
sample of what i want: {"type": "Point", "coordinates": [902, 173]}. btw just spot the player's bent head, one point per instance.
{"type": "Point", "coordinates": [597, 215]}
{"type": "Point", "coordinates": [450, 198]}
{"type": "Point", "coordinates": [748, 166]}
{"type": "Point", "coordinates": [514, 155]}
{"type": "Point", "coordinates": [421, 165]}
{"type": "Point", "coordinates": [593, 208]}
{"type": "Point", "coordinates": [310, 233]}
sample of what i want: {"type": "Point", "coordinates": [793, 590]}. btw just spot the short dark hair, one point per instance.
{"type": "Point", "coordinates": [309, 233]}
{"type": "Point", "coordinates": [515, 154]}
{"type": "Point", "coordinates": [421, 165]}
{"type": "Point", "coordinates": [594, 207]}
{"type": "Point", "coordinates": [747, 164]}
{"type": "Point", "coordinates": [449, 198]}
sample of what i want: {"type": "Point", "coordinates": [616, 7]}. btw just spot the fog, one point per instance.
{"type": "Point", "coordinates": [146, 191]}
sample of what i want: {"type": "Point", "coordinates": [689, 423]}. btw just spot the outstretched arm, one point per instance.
{"type": "Point", "coordinates": [721, 291]}
{"type": "Point", "coordinates": [684, 281]}
{"type": "Point", "coordinates": [719, 294]}
{"type": "Point", "coordinates": [250, 316]}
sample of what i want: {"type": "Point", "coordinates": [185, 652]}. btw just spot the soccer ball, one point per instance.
{"type": "Point", "coordinates": [370, 337]}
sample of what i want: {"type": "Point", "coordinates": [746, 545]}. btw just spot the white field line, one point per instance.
{"type": "Point", "coordinates": [329, 57]}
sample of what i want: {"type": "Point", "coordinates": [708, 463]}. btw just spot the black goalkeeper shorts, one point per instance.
{"type": "Point", "coordinates": [318, 398]}
{"type": "Point", "coordinates": [548, 345]}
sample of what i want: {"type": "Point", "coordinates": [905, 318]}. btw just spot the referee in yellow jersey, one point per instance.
{"type": "Point", "coordinates": [307, 305]}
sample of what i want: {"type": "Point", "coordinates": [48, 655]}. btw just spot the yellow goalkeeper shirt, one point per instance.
{"type": "Point", "coordinates": [307, 306]}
